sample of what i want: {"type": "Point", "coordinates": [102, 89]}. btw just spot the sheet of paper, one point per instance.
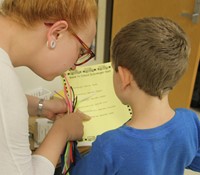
{"type": "Point", "coordinates": [96, 97]}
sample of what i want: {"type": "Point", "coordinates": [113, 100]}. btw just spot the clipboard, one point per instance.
{"type": "Point", "coordinates": [93, 86]}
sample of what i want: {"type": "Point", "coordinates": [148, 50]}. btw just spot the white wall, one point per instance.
{"type": "Point", "coordinates": [31, 81]}
{"type": "Point", "coordinates": [189, 172]}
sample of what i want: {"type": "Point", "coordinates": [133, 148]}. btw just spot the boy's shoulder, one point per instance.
{"type": "Point", "coordinates": [186, 113]}
{"type": "Point", "coordinates": [111, 137]}
{"type": "Point", "coordinates": [188, 118]}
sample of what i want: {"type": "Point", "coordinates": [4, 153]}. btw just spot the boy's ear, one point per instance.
{"type": "Point", "coordinates": [125, 76]}
{"type": "Point", "coordinates": [56, 30]}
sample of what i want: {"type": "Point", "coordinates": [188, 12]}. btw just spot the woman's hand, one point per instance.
{"type": "Point", "coordinates": [72, 124]}
{"type": "Point", "coordinates": [51, 108]}
{"type": "Point", "coordinates": [54, 107]}
{"type": "Point", "coordinates": [67, 127]}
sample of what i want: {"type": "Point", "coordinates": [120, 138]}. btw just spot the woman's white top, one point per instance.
{"type": "Point", "coordinates": [15, 155]}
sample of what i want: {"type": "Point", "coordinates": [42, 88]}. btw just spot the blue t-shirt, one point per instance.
{"type": "Point", "coordinates": [164, 150]}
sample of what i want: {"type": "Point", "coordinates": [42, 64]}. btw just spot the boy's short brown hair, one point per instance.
{"type": "Point", "coordinates": [28, 12]}
{"type": "Point", "coordinates": [155, 50]}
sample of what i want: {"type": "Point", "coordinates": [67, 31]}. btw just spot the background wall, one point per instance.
{"type": "Point", "coordinates": [31, 81]}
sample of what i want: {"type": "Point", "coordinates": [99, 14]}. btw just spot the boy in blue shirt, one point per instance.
{"type": "Point", "coordinates": [149, 56]}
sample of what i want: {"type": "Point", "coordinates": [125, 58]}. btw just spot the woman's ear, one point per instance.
{"type": "Point", "coordinates": [55, 32]}
{"type": "Point", "coordinates": [125, 76]}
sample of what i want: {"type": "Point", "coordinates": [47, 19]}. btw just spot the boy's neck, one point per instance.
{"type": "Point", "coordinates": [150, 112]}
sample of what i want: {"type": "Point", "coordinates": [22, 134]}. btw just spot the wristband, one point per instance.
{"type": "Point", "coordinates": [40, 107]}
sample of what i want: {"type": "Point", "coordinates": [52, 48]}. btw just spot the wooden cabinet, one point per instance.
{"type": "Point", "coordinates": [125, 11]}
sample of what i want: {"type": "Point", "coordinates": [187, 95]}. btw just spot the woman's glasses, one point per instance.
{"type": "Point", "coordinates": [85, 55]}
